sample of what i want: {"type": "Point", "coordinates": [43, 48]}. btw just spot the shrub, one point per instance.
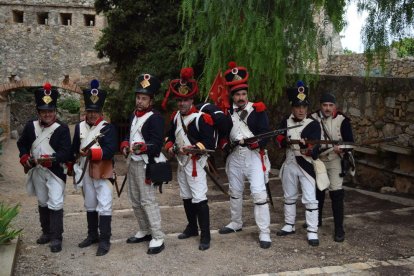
{"type": "Point", "coordinates": [70, 104]}
{"type": "Point", "coordinates": [7, 214]}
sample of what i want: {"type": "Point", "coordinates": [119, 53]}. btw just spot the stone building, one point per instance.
{"type": "Point", "coordinates": [49, 40]}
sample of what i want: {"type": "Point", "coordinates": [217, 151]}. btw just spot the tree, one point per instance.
{"type": "Point", "coordinates": [270, 38]}
{"type": "Point", "coordinates": [405, 47]}
{"type": "Point", "coordinates": [277, 40]}
{"type": "Point", "coordinates": [387, 20]}
{"type": "Point", "coordinates": [141, 37]}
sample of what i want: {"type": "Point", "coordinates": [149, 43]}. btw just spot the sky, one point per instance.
{"type": "Point", "coordinates": [351, 35]}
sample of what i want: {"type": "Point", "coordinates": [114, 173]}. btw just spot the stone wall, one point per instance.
{"type": "Point", "coordinates": [356, 65]}
{"type": "Point", "coordinates": [50, 40]}
{"type": "Point", "coordinates": [378, 107]}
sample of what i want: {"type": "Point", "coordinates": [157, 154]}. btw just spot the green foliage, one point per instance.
{"type": "Point", "coordinates": [387, 20]}
{"type": "Point", "coordinates": [141, 37]}
{"type": "Point", "coordinates": [7, 214]}
{"type": "Point", "coordinates": [270, 38]}
{"type": "Point", "coordinates": [119, 103]}
{"type": "Point", "coordinates": [277, 40]}
{"type": "Point", "coordinates": [405, 47]}
{"type": "Point", "coordinates": [24, 95]}
{"type": "Point", "coordinates": [348, 52]}
{"type": "Point", "coordinates": [70, 104]}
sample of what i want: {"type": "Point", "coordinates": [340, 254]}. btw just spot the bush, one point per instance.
{"type": "Point", "coordinates": [7, 214]}
{"type": "Point", "coordinates": [70, 104]}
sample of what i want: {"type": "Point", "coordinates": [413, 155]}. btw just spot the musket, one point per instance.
{"type": "Point", "coordinates": [339, 142]}
{"type": "Point", "coordinates": [190, 150]}
{"type": "Point", "coordinates": [261, 136]}
{"type": "Point", "coordinates": [33, 162]}
{"type": "Point", "coordinates": [86, 148]}
{"type": "Point", "coordinates": [135, 148]}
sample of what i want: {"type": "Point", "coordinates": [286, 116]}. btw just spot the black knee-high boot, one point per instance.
{"type": "Point", "coordinates": [44, 218]}
{"type": "Point", "coordinates": [337, 198]}
{"type": "Point", "coordinates": [56, 230]}
{"type": "Point", "coordinates": [104, 235]}
{"type": "Point", "coordinates": [93, 236]}
{"type": "Point", "coordinates": [203, 215]}
{"type": "Point", "coordinates": [191, 229]}
{"type": "Point", "coordinates": [320, 196]}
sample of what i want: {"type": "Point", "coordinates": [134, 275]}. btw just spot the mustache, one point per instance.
{"type": "Point", "coordinates": [240, 101]}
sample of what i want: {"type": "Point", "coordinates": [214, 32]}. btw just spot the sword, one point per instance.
{"type": "Point", "coordinates": [269, 195]}
{"type": "Point", "coordinates": [122, 186]}
{"type": "Point", "coordinates": [213, 178]}
{"type": "Point", "coordinates": [215, 181]}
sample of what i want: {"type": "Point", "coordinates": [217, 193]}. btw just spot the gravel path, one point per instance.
{"type": "Point", "coordinates": [379, 230]}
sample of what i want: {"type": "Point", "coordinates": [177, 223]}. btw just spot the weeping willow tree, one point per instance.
{"type": "Point", "coordinates": [278, 40]}
{"type": "Point", "coordinates": [268, 37]}
{"type": "Point", "coordinates": [387, 21]}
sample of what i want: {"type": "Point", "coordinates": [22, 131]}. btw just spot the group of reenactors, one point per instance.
{"type": "Point", "coordinates": [48, 155]}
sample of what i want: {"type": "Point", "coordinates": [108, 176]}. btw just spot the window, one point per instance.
{"type": "Point", "coordinates": [89, 19]}
{"type": "Point", "coordinates": [42, 18]}
{"type": "Point", "coordinates": [66, 19]}
{"type": "Point", "coordinates": [18, 16]}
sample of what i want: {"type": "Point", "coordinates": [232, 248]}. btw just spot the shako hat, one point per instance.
{"type": "Point", "coordinates": [298, 95]}
{"type": "Point", "coordinates": [94, 97]}
{"type": "Point", "coordinates": [46, 97]}
{"type": "Point", "coordinates": [147, 84]}
{"type": "Point", "coordinates": [236, 77]}
{"type": "Point", "coordinates": [183, 88]}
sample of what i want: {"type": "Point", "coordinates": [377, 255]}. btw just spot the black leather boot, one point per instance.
{"type": "Point", "coordinates": [190, 211]}
{"type": "Point", "coordinates": [93, 236]}
{"type": "Point", "coordinates": [320, 196]}
{"type": "Point", "coordinates": [203, 216]}
{"type": "Point", "coordinates": [105, 235]}
{"type": "Point", "coordinates": [337, 198]}
{"type": "Point", "coordinates": [56, 230]}
{"type": "Point", "coordinates": [44, 218]}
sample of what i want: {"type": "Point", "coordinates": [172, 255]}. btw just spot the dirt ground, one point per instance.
{"type": "Point", "coordinates": [378, 228]}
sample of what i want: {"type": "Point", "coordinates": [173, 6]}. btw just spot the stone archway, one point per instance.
{"type": "Point", "coordinates": [15, 84]}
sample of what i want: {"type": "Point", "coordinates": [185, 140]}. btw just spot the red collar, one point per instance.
{"type": "Point", "coordinates": [142, 113]}
{"type": "Point", "coordinates": [96, 123]}
{"type": "Point", "coordinates": [191, 111]}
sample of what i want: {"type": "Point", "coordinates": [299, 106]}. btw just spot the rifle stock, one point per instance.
{"type": "Point", "coordinates": [40, 161]}
{"type": "Point", "coordinates": [188, 150]}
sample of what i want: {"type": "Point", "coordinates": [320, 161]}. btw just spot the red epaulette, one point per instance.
{"type": "Point", "coordinates": [208, 119]}
{"type": "Point", "coordinates": [173, 115]}
{"type": "Point", "coordinates": [259, 106]}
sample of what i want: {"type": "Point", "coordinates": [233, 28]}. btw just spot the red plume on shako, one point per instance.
{"type": "Point", "coordinates": [46, 97]}
{"type": "Point", "coordinates": [185, 87]}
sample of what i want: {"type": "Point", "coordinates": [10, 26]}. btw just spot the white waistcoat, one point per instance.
{"type": "Point", "coordinates": [240, 129]}
{"type": "Point", "coordinates": [41, 145]}
{"type": "Point", "coordinates": [135, 135]}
